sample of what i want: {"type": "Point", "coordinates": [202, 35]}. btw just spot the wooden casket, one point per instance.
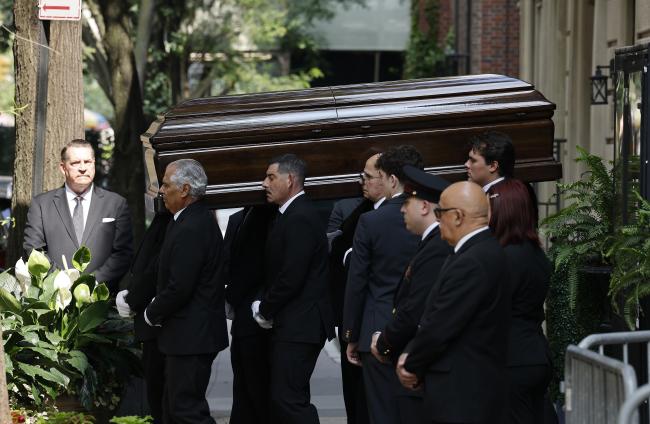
{"type": "Point", "coordinates": [234, 137]}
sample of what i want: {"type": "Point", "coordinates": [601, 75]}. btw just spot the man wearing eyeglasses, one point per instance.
{"type": "Point", "coordinates": [80, 214]}
{"type": "Point", "coordinates": [381, 250]}
{"type": "Point", "coordinates": [373, 196]}
{"type": "Point", "coordinates": [459, 351]}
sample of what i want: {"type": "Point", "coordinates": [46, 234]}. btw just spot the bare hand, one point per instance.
{"type": "Point", "coordinates": [352, 354]}
{"type": "Point", "coordinates": [408, 380]}
{"type": "Point", "coordinates": [373, 349]}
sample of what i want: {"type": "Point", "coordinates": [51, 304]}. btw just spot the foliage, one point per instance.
{"type": "Point", "coordinates": [424, 53]}
{"type": "Point", "coordinates": [630, 254]}
{"type": "Point", "coordinates": [132, 420]}
{"type": "Point", "coordinates": [61, 336]}
{"type": "Point", "coordinates": [66, 418]}
{"type": "Point", "coordinates": [580, 232]}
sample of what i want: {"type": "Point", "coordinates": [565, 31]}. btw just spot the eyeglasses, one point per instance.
{"type": "Point", "coordinates": [439, 211]}
{"type": "Point", "coordinates": [363, 177]}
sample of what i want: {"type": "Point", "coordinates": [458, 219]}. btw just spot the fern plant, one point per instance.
{"type": "Point", "coordinates": [630, 254]}
{"type": "Point", "coordinates": [581, 232]}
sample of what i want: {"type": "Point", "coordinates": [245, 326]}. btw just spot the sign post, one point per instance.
{"type": "Point", "coordinates": [59, 10]}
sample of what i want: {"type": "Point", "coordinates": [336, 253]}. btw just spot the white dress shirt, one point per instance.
{"type": "Point", "coordinates": [286, 204]}
{"type": "Point", "coordinates": [86, 197]}
{"type": "Point", "coordinates": [429, 229]}
{"type": "Point", "coordinates": [487, 186]}
{"type": "Point", "coordinates": [462, 241]}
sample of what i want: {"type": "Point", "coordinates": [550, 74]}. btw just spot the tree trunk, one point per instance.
{"type": "Point", "coordinates": [5, 411]}
{"type": "Point", "coordinates": [127, 176]}
{"type": "Point", "coordinates": [145, 24]}
{"type": "Point", "coordinates": [64, 118]}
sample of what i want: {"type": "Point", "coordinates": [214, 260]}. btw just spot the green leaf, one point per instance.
{"type": "Point", "coordinates": [38, 264]}
{"type": "Point", "coordinates": [52, 375]}
{"type": "Point", "coordinates": [93, 315]}
{"type": "Point", "coordinates": [81, 258]}
{"type": "Point", "coordinates": [78, 360]}
{"type": "Point", "coordinates": [101, 292]}
{"type": "Point", "coordinates": [31, 337]}
{"type": "Point", "coordinates": [54, 338]}
{"type": "Point", "coordinates": [46, 353]}
{"type": "Point", "coordinates": [8, 302]}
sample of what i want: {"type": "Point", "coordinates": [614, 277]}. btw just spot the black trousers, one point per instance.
{"type": "Point", "coordinates": [354, 394]}
{"type": "Point", "coordinates": [153, 365]}
{"type": "Point", "coordinates": [186, 379]}
{"type": "Point", "coordinates": [251, 380]}
{"type": "Point", "coordinates": [527, 387]}
{"type": "Point", "coordinates": [411, 408]}
{"type": "Point", "coordinates": [292, 365]}
{"type": "Point", "coordinates": [381, 385]}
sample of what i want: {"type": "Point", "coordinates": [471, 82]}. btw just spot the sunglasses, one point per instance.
{"type": "Point", "coordinates": [439, 211]}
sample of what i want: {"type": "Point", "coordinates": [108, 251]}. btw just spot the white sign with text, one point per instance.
{"type": "Point", "coordinates": [59, 10]}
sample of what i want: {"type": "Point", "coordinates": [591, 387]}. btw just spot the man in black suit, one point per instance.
{"type": "Point", "coordinates": [141, 288]}
{"type": "Point", "coordinates": [249, 350]}
{"type": "Point", "coordinates": [460, 349]}
{"type": "Point", "coordinates": [296, 302]}
{"type": "Point", "coordinates": [189, 304]}
{"type": "Point", "coordinates": [351, 376]}
{"type": "Point", "coordinates": [381, 251]}
{"type": "Point", "coordinates": [491, 158]}
{"type": "Point", "coordinates": [424, 193]}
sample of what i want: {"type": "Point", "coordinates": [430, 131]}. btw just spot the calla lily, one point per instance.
{"type": "Point", "coordinates": [82, 294]}
{"type": "Point", "coordinates": [22, 275]}
{"type": "Point", "coordinates": [63, 298]}
{"type": "Point", "coordinates": [62, 281]}
{"type": "Point", "coordinates": [73, 274]}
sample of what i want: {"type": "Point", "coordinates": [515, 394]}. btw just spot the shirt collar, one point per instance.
{"type": "Point", "coordinates": [86, 195]}
{"type": "Point", "coordinates": [429, 229]}
{"type": "Point", "coordinates": [286, 204]}
{"type": "Point", "coordinates": [487, 186]}
{"type": "Point", "coordinates": [177, 214]}
{"type": "Point", "coordinates": [378, 203]}
{"type": "Point", "coordinates": [397, 194]}
{"type": "Point", "coordinates": [462, 241]}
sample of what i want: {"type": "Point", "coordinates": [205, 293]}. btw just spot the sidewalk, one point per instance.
{"type": "Point", "coordinates": [327, 394]}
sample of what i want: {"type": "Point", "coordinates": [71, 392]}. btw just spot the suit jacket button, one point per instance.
{"type": "Point", "coordinates": [394, 311]}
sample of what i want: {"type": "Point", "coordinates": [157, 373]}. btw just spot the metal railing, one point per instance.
{"type": "Point", "coordinates": [629, 409]}
{"type": "Point", "coordinates": [597, 386]}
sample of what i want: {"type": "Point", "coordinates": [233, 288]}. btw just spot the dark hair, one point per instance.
{"type": "Point", "coordinates": [512, 213]}
{"type": "Point", "coordinates": [393, 160]}
{"type": "Point", "coordinates": [497, 147]}
{"type": "Point", "coordinates": [77, 142]}
{"type": "Point", "coordinates": [291, 164]}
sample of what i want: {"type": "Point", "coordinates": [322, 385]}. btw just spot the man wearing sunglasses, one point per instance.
{"type": "Point", "coordinates": [459, 351]}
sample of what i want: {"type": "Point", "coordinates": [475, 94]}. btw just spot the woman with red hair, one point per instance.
{"type": "Point", "coordinates": [513, 222]}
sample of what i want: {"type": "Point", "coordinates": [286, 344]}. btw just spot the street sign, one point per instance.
{"type": "Point", "coordinates": [59, 10]}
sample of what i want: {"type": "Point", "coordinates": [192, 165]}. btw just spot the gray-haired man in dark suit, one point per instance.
{"type": "Point", "coordinates": [79, 213]}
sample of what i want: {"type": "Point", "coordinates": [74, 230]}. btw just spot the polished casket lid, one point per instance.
{"type": "Point", "coordinates": [234, 137]}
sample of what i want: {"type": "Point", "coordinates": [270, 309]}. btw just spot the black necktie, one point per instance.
{"type": "Point", "coordinates": [78, 219]}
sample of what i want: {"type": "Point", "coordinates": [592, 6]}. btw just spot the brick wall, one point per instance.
{"type": "Point", "coordinates": [499, 48]}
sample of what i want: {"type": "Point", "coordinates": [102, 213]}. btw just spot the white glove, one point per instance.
{"type": "Point", "coordinates": [230, 311]}
{"type": "Point", "coordinates": [265, 324]}
{"type": "Point", "coordinates": [123, 308]}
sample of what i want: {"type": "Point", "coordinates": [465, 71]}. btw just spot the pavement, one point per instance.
{"type": "Point", "coordinates": [326, 391]}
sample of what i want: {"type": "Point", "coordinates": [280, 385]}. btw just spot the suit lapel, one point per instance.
{"type": "Point", "coordinates": [62, 208]}
{"type": "Point", "coordinates": [97, 204]}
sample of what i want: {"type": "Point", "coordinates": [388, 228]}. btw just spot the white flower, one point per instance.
{"type": "Point", "coordinates": [62, 281]}
{"type": "Point", "coordinates": [23, 277]}
{"type": "Point", "coordinates": [63, 298]}
{"type": "Point", "coordinates": [73, 274]}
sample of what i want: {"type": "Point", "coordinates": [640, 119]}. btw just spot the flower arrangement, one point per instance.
{"type": "Point", "coordinates": [61, 335]}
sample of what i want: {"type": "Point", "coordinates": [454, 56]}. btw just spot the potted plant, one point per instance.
{"type": "Point", "coordinates": [581, 236]}
{"type": "Point", "coordinates": [61, 335]}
